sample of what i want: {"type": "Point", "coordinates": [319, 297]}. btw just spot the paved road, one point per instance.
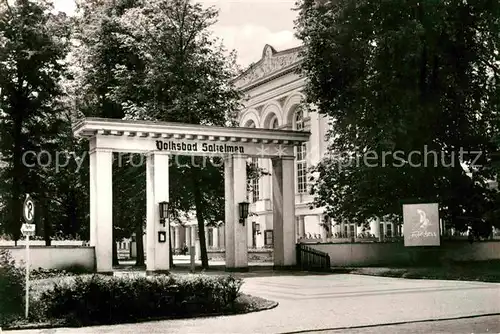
{"type": "Point", "coordinates": [486, 324]}
{"type": "Point", "coordinates": [332, 301]}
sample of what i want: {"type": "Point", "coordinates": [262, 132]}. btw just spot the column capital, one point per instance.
{"type": "Point", "coordinates": [159, 153]}
{"type": "Point", "coordinates": [100, 150]}
{"type": "Point", "coordinates": [284, 158]}
{"type": "Point", "coordinates": [236, 156]}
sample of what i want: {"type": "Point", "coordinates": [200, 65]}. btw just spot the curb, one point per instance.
{"type": "Point", "coordinates": [391, 323]}
{"type": "Point", "coordinates": [459, 279]}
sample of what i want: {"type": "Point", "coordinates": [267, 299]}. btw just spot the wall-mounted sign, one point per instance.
{"type": "Point", "coordinates": [162, 236]}
{"type": "Point", "coordinates": [191, 146]}
{"type": "Point", "coordinates": [215, 148]}
{"type": "Point", "coordinates": [421, 224]}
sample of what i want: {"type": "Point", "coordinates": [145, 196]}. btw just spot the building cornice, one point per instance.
{"type": "Point", "coordinates": [292, 69]}
{"type": "Point", "coordinates": [275, 93]}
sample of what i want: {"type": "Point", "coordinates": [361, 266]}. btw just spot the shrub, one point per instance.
{"type": "Point", "coordinates": [100, 299]}
{"type": "Point", "coordinates": [12, 287]}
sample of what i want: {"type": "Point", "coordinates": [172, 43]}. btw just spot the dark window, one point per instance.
{"type": "Point", "coordinates": [268, 238]}
{"type": "Point", "coordinates": [210, 237]}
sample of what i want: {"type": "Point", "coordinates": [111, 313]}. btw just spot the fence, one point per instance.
{"type": "Point", "coordinates": [312, 259]}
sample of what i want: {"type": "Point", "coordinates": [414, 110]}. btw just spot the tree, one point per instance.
{"type": "Point", "coordinates": [33, 47]}
{"type": "Point", "coordinates": [403, 76]}
{"type": "Point", "coordinates": [184, 77]}
{"type": "Point", "coordinates": [97, 54]}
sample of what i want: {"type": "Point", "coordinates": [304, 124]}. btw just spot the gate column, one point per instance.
{"type": "Point", "coordinates": [284, 212]}
{"type": "Point", "coordinates": [157, 185]}
{"type": "Point", "coordinates": [235, 182]}
{"type": "Point", "coordinates": [101, 208]}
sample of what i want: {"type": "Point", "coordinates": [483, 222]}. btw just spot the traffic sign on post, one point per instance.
{"type": "Point", "coordinates": [29, 210]}
{"type": "Point", "coordinates": [28, 229]}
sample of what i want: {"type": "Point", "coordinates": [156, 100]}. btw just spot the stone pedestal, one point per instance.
{"type": "Point", "coordinates": [188, 236]}
{"type": "Point", "coordinates": [359, 230]}
{"type": "Point", "coordinates": [215, 233]}
{"type": "Point", "coordinates": [302, 229]}
{"type": "Point", "coordinates": [177, 234]}
{"type": "Point", "coordinates": [375, 228]}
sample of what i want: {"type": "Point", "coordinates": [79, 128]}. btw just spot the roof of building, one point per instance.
{"type": "Point", "coordinates": [271, 65]}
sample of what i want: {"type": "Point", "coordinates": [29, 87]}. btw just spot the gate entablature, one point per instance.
{"type": "Point", "coordinates": [187, 139]}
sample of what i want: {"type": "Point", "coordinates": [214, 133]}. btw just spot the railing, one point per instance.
{"type": "Point", "coordinates": [312, 259]}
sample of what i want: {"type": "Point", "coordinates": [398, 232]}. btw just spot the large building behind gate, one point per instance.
{"type": "Point", "coordinates": [273, 95]}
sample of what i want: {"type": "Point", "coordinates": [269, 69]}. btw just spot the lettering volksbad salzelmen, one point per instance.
{"type": "Point", "coordinates": [193, 147]}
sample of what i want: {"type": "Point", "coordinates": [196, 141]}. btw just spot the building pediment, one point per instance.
{"type": "Point", "coordinates": [271, 63]}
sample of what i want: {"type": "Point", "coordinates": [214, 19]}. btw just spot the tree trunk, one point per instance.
{"type": "Point", "coordinates": [17, 176]}
{"type": "Point", "coordinates": [73, 216]}
{"type": "Point", "coordinates": [139, 261]}
{"type": "Point", "coordinates": [115, 251]}
{"type": "Point", "coordinates": [201, 221]}
{"type": "Point", "coordinates": [16, 214]}
{"type": "Point", "coordinates": [47, 226]}
{"type": "Point", "coordinates": [170, 254]}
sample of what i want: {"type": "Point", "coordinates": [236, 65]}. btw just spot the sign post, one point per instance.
{"type": "Point", "coordinates": [28, 229]}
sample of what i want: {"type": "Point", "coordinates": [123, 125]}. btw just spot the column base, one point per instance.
{"type": "Point", "coordinates": [157, 272]}
{"type": "Point", "coordinates": [237, 270]}
{"type": "Point", "coordinates": [107, 273]}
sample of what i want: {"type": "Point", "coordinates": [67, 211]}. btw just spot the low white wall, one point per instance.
{"type": "Point", "coordinates": [370, 254]}
{"type": "Point", "coordinates": [55, 257]}
{"type": "Point", "coordinates": [22, 242]}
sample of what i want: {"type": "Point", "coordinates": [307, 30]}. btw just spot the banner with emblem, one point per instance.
{"type": "Point", "coordinates": [421, 224]}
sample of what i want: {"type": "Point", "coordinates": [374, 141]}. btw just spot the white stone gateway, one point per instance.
{"type": "Point", "coordinates": [160, 140]}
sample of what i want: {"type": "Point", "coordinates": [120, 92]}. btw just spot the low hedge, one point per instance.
{"type": "Point", "coordinates": [104, 300]}
{"type": "Point", "coordinates": [12, 287]}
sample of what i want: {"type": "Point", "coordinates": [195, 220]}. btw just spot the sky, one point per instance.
{"type": "Point", "coordinates": [244, 25]}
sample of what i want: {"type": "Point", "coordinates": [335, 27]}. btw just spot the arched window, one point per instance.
{"type": "Point", "coordinates": [299, 120]}
{"type": "Point", "coordinates": [274, 123]}
{"type": "Point", "coordinates": [300, 157]}
{"type": "Point", "coordinates": [250, 124]}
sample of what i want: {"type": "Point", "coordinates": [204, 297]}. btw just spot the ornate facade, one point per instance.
{"type": "Point", "coordinates": [273, 96]}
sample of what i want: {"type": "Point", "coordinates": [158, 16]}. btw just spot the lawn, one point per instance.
{"type": "Point", "coordinates": [484, 271]}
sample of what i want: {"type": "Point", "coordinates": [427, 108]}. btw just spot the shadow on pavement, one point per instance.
{"type": "Point", "coordinates": [260, 270]}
